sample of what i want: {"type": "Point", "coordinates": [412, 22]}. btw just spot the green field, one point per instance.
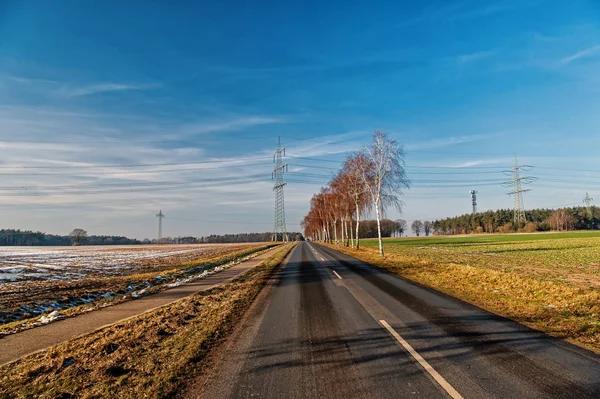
{"type": "Point", "coordinates": [549, 281]}
{"type": "Point", "coordinates": [483, 238]}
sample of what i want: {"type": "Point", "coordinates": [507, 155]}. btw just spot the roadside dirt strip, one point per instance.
{"type": "Point", "coordinates": [15, 346]}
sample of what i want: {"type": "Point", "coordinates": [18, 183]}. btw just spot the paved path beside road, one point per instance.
{"type": "Point", "coordinates": [15, 346]}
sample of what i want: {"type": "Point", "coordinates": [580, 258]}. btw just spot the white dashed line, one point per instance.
{"type": "Point", "coordinates": [340, 277]}
{"type": "Point", "coordinates": [436, 376]}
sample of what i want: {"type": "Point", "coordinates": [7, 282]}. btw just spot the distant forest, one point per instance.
{"type": "Point", "coordinates": [25, 238]}
{"type": "Point", "coordinates": [501, 221]}
{"type": "Point", "coordinates": [10, 237]}
{"type": "Point", "coordinates": [368, 228]}
{"type": "Point", "coordinates": [245, 237]}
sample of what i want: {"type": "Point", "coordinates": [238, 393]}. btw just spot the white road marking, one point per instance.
{"type": "Point", "coordinates": [334, 272]}
{"type": "Point", "coordinates": [436, 376]}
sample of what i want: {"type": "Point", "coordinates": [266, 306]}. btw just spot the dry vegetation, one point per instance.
{"type": "Point", "coordinates": [550, 283]}
{"type": "Point", "coordinates": [22, 303]}
{"type": "Point", "coordinates": [149, 356]}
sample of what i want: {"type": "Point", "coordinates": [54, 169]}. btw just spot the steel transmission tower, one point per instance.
{"type": "Point", "coordinates": [280, 168]}
{"type": "Point", "coordinates": [160, 217]}
{"type": "Point", "coordinates": [516, 183]}
{"type": "Point", "coordinates": [588, 204]}
{"type": "Point", "coordinates": [474, 200]}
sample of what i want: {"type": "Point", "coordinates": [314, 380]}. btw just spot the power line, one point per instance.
{"type": "Point", "coordinates": [517, 191]}
{"type": "Point", "coordinates": [588, 204]}
{"type": "Point", "coordinates": [280, 168]}
{"type": "Point", "coordinates": [160, 217]}
{"type": "Point", "coordinates": [134, 172]}
{"type": "Point", "coordinates": [135, 165]}
{"type": "Point", "coordinates": [220, 221]}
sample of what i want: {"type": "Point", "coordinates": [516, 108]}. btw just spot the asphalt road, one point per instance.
{"type": "Point", "coordinates": [330, 326]}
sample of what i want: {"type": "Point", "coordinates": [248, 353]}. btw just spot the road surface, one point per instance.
{"type": "Point", "coordinates": [15, 346]}
{"type": "Point", "coordinates": [330, 326]}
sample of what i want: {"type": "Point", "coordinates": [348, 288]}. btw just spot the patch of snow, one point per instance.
{"type": "Point", "coordinates": [50, 318]}
{"type": "Point", "coordinates": [9, 277]}
{"type": "Point", "coordinates": [138, 294]}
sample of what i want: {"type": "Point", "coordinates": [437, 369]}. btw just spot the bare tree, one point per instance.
{"type": "Point", "coordinates": [561, 220]}
{"type": "Point", "coordinates": [417, 226]}
{"type": "Point", "coordinates": [401, 226]}
{"type": "Point", "coordinates": [427, 227]}
{"type": "Point", "coordinates": [384, 176]}
{"type": "Point", "coordinates": [343, 202]}
{"type": "Point", "coordinates": [352, 168]}
{"type": "Point", "coordinates": [78, 235]}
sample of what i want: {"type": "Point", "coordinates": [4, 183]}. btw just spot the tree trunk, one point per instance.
{"type": "Point", "coordinates": [347, 242]}
{"type": "Point", "coordinates": [379, 229]}
{"type": "Point", "coordinates": [351, 233]}
{"type": "Point", "coordinates": [335, 232]}
{"type": "Point", "coordinates": [357, 224]}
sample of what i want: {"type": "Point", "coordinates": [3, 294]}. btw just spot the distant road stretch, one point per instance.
{"type": "Point", "coordinates": [333, 327]}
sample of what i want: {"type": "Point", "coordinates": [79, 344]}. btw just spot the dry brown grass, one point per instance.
{"type": "Point", "coordinates": [149, 356]}
{"type": "Point", "coordinates": [534, 295]}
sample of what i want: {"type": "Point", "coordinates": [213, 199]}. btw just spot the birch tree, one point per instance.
{"type": "Point", "coordinates": [353, 167]}
{"type": "Point", "coordinates": [383, 176]}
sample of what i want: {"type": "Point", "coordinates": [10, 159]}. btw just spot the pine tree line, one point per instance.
{"type": "Point", "coordinates": [501, 221]}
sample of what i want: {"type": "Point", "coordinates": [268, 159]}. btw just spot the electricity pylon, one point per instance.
{"type": "Point", "coordinates": [160, 217]}
{"type": "Point", "coordinates": [474, 200]}
{"type": "Point", "coordinates": [516, 183]}
{"type": "Point", "coordinates": [277, 176]}
{"type": "Point", "coordinates": [588, 204]}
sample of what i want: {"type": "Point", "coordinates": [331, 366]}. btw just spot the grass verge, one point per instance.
{"type": "Point", "coordinates": [149, 356]}
{"type": "Point", "coordinates": [541, 301]}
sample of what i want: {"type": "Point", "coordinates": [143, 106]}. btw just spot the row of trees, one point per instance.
{"type": "Point", "coordinates": [372, 179]}
{"type": "Point", "coordinates": [501, 221]}
{"type": "Point", "coordinates": [246, 237]}
{"type": "Point", "coordinates": [419, 227]}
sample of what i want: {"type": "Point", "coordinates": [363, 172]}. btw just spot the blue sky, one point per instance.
{"type": "Point", "coordinates": [199, 92]}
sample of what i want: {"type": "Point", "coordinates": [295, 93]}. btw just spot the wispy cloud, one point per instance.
{"type": "Point", "coordinates": [489, 9]}
{"type": "Point", "coordinates": [581, 54]}
{"type": "Point", "coordinates": [237, 123]}
{"type": "Point", "coordinates": [479, 162]}
{"type": "Point", "coordinates": [444, 142]}
{"type": "Point", "coordinates": [472, 57]}
{"type": "Point", "coordinates": [74, 91]}
{"type": "Point", "coordinates": [467, 10]}
{"type": "Point", "coordinates": [26, 80]}
{"type": "Point", "coordinates": [330, 144]}
{"type": "Point", "coordinates": [70, 89]}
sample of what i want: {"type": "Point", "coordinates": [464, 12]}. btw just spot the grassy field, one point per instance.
{"type": "Point", "coordinates": [150, 356]}
{"type": "Point", "coordinates": [548, 281]}
{"type": "Point", "coordinates": [482, 238]}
